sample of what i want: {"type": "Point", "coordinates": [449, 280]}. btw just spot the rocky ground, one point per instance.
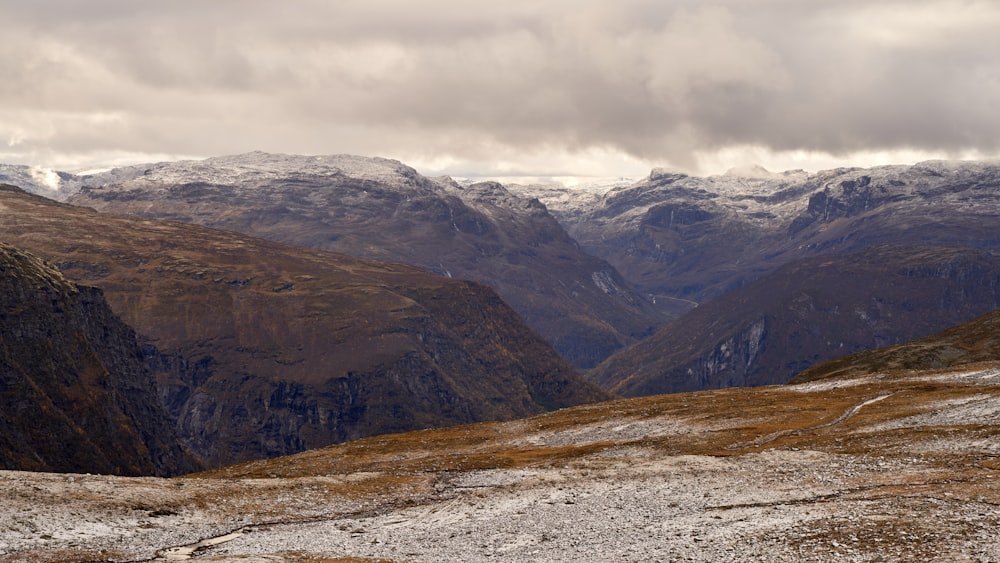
{"type": "Point", "coordinates": [879, 468]}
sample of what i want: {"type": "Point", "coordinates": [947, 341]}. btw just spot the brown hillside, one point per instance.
{"type": "Point", "coordinates": [897, 468]}
{"type": "Point", "coordinates": [263, 349]}
{"type": "Point", "coordinates": [387, 211]}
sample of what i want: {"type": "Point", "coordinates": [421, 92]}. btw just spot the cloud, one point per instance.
{"type": "Point", "coordinates": [681, 83]}
{"type": "Point", "coordinates": [46, 177]}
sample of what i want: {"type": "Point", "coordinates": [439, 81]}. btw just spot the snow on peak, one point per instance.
{"type": "Point", "coordinates": [259, 166]}
{"type": "Point", "coordinates": [754, 171]}
{"type": "Point", "coordinates": [665, 173]}
{"type": "Point", "coordinates": [34, 179]}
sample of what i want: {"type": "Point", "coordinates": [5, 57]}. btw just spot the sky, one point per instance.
{"type": "Point", "coordinates": [519, 88]}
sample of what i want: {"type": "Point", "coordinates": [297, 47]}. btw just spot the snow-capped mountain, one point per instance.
{"type": "Point", "coordinates": [252, 170]}
{"type": "Point", "coordinates": [40, 181]}
{"type": "Point", "coordinates": [796, 268]}
{"type": "Point", "coordinates": [567, 203]}
{"type": "Point", "coordinates": [657, 247]}
{"type": "Point", "coordinates": [382, 209]}
{"type": "Point", "coordinates": [690, 237]}
{"type": "Point", "coordinates": [257, 348]}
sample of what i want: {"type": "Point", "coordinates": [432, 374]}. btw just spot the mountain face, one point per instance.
{"type": "Point", "coordinates": [262, 349]}
{"type": "Point", "coordinates": [75, 393]}
{"type": "Point", "coordinates": [680, 240]}
{"type": "Point", "coordinates": [967, 344]}
{"type": "Point", "coordinates": [381, 209]}
{"type": "Point", "coordinates": [682, 237]}
{"type": "Point", "coordinates": [809, 311]}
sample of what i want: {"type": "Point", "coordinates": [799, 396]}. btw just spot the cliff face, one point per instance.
{"type": "Point", "coordinates": [75, 393]}
{"type": "Point", "coordinates": [262, 349]}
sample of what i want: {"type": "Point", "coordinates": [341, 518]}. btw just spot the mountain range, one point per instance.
{"type": "Point", "coordinates": [202, 320]}
{"type": "Point", "coordinates": [672, 283]}
{"type": "Point", "coordinates": [679, 236]}
{"type": "Point", "coordinates": [791, 269]}
{"type": "Point", "coordinates": [382, 209]}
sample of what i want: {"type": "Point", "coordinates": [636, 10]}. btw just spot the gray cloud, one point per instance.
{"type": "Point", "coordinates": [658, 81]}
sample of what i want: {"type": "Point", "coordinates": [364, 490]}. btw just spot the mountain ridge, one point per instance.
{"type": "Point", "coordinates": [963, 346]}
{"type": "Point", "coordinates": [805, 312]}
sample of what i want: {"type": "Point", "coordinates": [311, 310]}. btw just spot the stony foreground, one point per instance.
{"type": "Point", "coordinates": [895, 467]}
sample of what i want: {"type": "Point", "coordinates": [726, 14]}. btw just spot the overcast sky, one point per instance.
{"type": "Point", "coordinates": [535, 87]}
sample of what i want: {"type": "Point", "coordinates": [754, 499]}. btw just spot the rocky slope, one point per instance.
{"type": "Point", "coordinates": [806, 312]}
{"type": "Point", "coordinates": [263, 349]}
{"type": "Point", "coordinates": [378, 208]}
{"type": "Point", "coordinates": [887, 467]}
{"type": "Point", "coordinates": [75, 393]}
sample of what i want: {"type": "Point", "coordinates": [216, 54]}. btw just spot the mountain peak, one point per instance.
{"type": "Point", "coordinates": [665, 174]}
{"type": "Point", "coordinates": [755, 171]}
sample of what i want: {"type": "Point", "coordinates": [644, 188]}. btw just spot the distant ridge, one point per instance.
{"type": "Point", "coordinates": [382, 209]}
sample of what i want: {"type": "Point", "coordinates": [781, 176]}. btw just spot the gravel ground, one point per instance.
{"type": "Point", "coordinates": [916, 484]}
{"type": "Point", "coordinates": [773, 506]}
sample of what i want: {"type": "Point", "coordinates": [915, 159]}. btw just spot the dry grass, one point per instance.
{"type": "Point", "coordinates": [723, 423]}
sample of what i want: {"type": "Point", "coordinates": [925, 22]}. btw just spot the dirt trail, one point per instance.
{"type": "Point", "coordinates": [844, 416]}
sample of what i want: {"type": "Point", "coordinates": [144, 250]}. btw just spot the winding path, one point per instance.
{"type": "Point", "coordinates": [768, 438]}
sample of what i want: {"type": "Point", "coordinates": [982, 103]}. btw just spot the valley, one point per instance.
{"type": "Point", "coordinates": [382, 209]}
{"type": "Point", "coordinates": [792, 268]}
{"type": "Point", "coordinates": [525, 282]}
